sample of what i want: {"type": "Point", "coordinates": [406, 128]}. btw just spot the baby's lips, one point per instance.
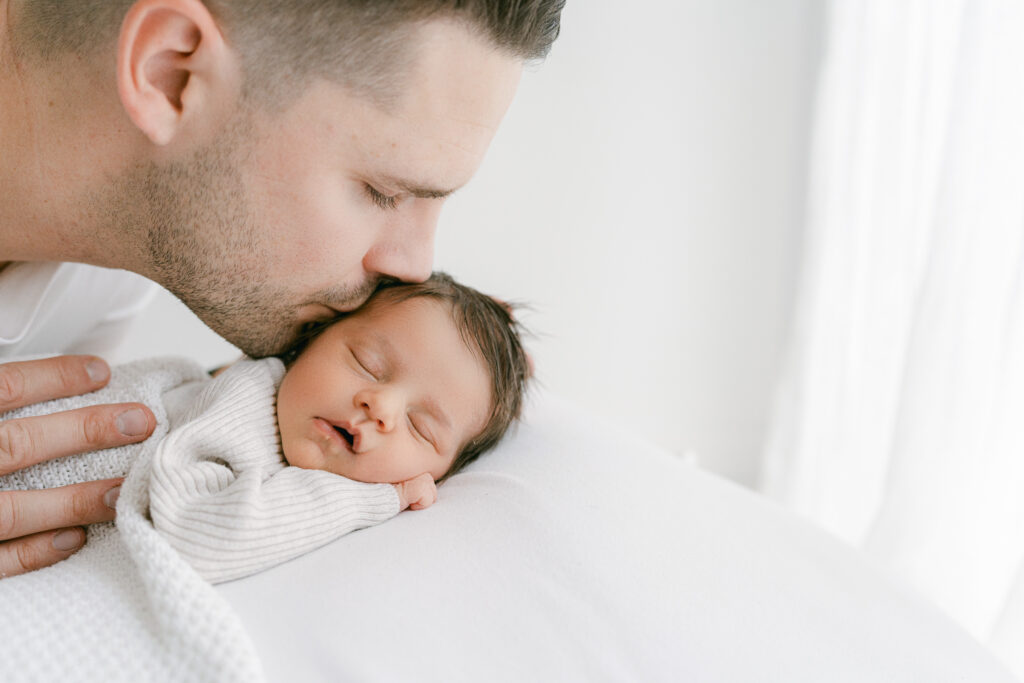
{"type": "Point", "coordinates": [352, 430]}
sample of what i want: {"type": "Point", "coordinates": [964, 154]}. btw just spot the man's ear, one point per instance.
{"type": "Point", "coordinates": [173, 66]}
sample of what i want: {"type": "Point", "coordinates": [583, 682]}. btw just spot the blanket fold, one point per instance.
{"type": "Point", "coordinates": [126, 607]}
{"type": "Point", "coordinates": [208, 499]}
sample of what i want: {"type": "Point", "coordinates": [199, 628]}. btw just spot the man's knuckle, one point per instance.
{"type": "Point", "coordinates": [79, 507]}
{"type": "Point", "coordinates": [12, 385]}
{"type": "Point", "coordinates": [8, 516]}
{"type": "Point", "coordinates": [69, 373]}
{"type": "Point", "coordinates": [15, 446]}
{"type": "Point", "coordinates": [29, 556]}
{"type": "Point", "coordinates": [95, 430]}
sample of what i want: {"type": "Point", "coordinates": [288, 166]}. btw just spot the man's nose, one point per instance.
{"type": "Point", "coordinates": [406, 249]}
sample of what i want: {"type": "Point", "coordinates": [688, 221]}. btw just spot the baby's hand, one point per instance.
{"type": "Point", "coordinates": [418, 493]}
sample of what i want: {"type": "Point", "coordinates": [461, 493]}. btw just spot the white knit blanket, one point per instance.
{"type": "Point", "coordinates": [209, 499]}
{"type": "Point", "coordinates": [126, 607]}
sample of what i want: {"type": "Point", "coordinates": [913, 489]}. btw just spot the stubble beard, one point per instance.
{"type": "Point", "coordinates": [203, 244]}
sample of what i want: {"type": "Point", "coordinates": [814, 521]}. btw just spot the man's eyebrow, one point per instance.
{"type": "Point", "coordinates": [416, 189]}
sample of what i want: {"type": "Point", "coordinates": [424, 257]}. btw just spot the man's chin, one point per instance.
{"type": "Point", "coordinates": [273, 339]}
{"type": "Point", "coordinates": [266, 342]}
{"type": "Point", "coordinates": [318, 313]}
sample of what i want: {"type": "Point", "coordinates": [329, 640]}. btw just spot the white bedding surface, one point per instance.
{"type": "Point", "coordinates": [578, 553]}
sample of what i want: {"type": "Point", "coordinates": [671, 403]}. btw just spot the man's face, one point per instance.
{"type": "Point", "coordinates": [294, 216]}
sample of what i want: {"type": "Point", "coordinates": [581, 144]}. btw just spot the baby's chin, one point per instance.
{"type": "Point", "coordinates": [304, 454]}
{"type": "Point", "coordinates": [309, 456]}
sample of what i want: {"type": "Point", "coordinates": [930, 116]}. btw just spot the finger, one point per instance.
{"type": "Point", "coordinates": [426, 498]}
{"type": "Point", "coordinates": [28, 512]}
{"type": "Point", "coordinates": [39, 550]}
{"type": "Point", "coordinates": [25, 382]}
{"type": "Point", "coordinates": [26, 441]}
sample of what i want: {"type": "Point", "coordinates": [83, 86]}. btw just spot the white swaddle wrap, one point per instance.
{"type": "Point", "coordinates": [129, 606]}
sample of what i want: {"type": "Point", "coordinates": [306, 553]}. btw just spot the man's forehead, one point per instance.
{"type": "Point", "coordinates": [459, 89]}
{"type": "Point", "coordinates": [417, 152]}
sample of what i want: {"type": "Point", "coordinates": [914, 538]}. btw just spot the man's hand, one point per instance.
{"type": "Point", "coordinates": [418, 493]}
{"type": "Point", "coordinates": [39, 528]}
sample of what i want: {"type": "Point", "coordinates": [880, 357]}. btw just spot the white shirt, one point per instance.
{"type": "Point", "coordinates": [48, 308]}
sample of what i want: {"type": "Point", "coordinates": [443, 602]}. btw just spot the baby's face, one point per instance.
{"type": "Point", "coordinates": [384, 395]}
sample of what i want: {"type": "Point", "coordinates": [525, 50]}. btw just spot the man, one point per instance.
{"type": "Point", "coordinates": [266, 165]}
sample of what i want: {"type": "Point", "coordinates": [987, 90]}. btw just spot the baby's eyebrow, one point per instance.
{"type": "Point", "coordinates": [384, 343]}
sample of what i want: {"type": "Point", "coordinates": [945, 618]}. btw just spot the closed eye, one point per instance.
{"type": "Point", "coordinates": [420, 433]}
{"type": "Point", "coordinates": [363, 366]}
{"type": "Point", "coordinates": [382, 200]}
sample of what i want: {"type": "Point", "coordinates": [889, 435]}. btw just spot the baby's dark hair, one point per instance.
{"type": "Point", "coordinates": [488, 327]}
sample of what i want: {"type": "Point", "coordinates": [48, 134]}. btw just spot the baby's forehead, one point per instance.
{"type": "Point", "coordinates": [409, 311]}
{"type": "Point", "coordinates": [388, 299]}
{"type": "Point", "coordinates": [384, 312]}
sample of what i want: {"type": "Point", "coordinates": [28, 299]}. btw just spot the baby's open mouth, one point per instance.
{"type": "Point", "coordinates": [345, 435]}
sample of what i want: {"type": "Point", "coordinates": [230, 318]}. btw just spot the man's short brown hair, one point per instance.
{"type": "Point", "coordinates": [362, 44]}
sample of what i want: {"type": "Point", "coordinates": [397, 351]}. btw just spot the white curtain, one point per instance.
{"type": "Point", "coordinates": [899, 424]}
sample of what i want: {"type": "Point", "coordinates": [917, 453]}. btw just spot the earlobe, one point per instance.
{"type": "Point", "coordinates": [170, 58]}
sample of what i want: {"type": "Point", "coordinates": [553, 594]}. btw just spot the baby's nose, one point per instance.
{"type": "Point", "coordinates": [381, 409]}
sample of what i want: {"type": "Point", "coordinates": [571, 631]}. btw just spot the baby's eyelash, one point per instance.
{"type": "Point", "coordinates": [419, 432]}
{"type": "Point", "coordinates": [364, 366]}
{"type": "Point", "coordinates": [382, 200]}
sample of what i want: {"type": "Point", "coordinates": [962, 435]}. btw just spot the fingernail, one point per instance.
{"type": "Point", "coordinates": [97, 370]}
{"type": "Point", "coordinates": [111, 496]}
{"type": "Point", "coordinates": [132, 422]}
{"type": "Point", "coordinates": [69, 539]}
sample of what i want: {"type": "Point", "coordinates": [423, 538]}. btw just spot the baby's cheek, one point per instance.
{"type": "Point", "coordinates": [288, 451]}
{"type": "Point", "coordinates": [297, 452]}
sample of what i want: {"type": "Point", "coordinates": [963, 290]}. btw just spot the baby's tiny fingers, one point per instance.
{"type": "Point", "coordinates": [427, 497]}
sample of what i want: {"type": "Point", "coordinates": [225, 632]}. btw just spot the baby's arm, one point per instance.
{"type": "Point", "coordinates": [222, 497]}
{"type": "Point", "coordinates": [230, 525]}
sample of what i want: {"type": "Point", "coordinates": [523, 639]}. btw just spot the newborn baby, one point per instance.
{"type": "Point", "coordinates": [371, 411]}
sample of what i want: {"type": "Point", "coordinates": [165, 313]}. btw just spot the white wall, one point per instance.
{"type": "Point", "coordinates": [645, 196]}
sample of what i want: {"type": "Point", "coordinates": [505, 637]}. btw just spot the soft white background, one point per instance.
{"type": "Point", "coordinates": [645, 196]}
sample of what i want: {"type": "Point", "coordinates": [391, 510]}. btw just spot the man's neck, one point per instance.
{"type": "Point", "coordinates": [24, 235]}
{"type": "Point", "coordinates": [54, 140]}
